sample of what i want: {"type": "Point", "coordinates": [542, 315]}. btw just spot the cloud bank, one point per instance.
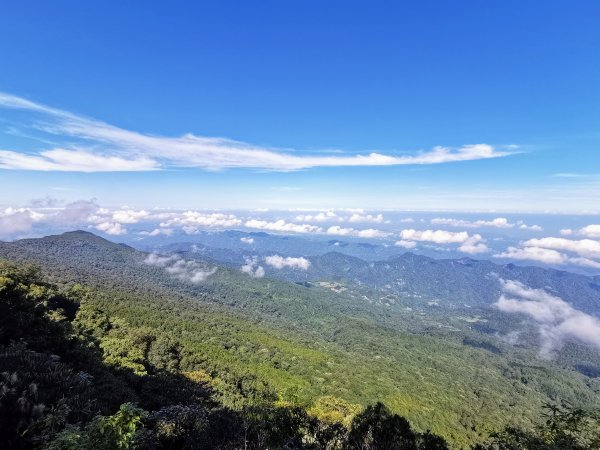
{"type": "Point", "coordinates": [498, 222]}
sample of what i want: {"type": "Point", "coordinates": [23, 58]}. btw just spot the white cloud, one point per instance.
{"type": "Point", "coordinates": [406, 244]}
{"type": "Point", "coordinates": [471, 244]}
{"type": "Point", "coordinates": [437, 236]}
{"type": "Point", "coordinates": [585, 247]}
{"type": "Point", "coordinates": [247, 240]}
{"type": "Point", "coordinates": [498, 222]}
{"type": "Point", "coordinates": [154, 259]}
{"type": "Point", "coordinates": [524, 226]}
{"type": "Point", "coordinates": [566, 232]}
{"type": "Point", "coordinates": [129, 216]}
{"type": "Point", "coordinates": [192, 221]}
{"type": "Point", "coordinates": [328, 216]}
{"type": "Point", "coordinates": [590, 231]}
{"type": "Point", "coordinates": [336, 230]}
{"type": "Point", "coordinates": [585, 262]}
{"type": "Point", "coordinates": [543, 255]}
{"type": "Point", "coordinates": [190, 271]}
{"type": "Point", "coordinates": [366, 218]}
{"type": "Point", "coordinates": [279, 262]}
{"type": "Point", "coordinates": [557, 320]}
{"type": "Point", "coordinates": [17, 220]}
{"type": "Point", "coordinates": [112, 228]}
{"type": "Point", "coordinates": [110, 148]}
{"type": "Point", "coordinates": [252, 268]}
{"type": "Point", "coordinates": [157, 232]}
{"type": "Point", "coordinates": [282, 225]}
{"type": "Point", "coordinates": [62, 160]}
{"type": "Point", "coordinates": [551, 250]}
{"type": "Point", "coordinates": [75, 213]}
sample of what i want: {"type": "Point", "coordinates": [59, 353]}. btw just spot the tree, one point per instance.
{"type": "Point", "coordinates": [377, 428]}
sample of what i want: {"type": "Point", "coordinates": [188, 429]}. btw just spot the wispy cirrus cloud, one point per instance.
{"type": "Point", "coordinates": [94, 146]}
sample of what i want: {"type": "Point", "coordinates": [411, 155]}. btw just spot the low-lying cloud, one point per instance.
{"type": "Point", "coordinates": [557, 320]}
{"type": "Point", "coordinates": [190, 271]}
{"type": "Point", "coordinates": [280, 262]}
{"type": "Point", "coordinates": [252, 268]}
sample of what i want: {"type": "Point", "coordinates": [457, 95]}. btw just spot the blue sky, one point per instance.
{"type": "Point", "coordinates": [301, 93]}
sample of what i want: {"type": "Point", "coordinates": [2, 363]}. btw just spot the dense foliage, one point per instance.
{"type": "Point", "coordinates": [61, 383]}
{"type": "Point", "coordinates": [254, 357]}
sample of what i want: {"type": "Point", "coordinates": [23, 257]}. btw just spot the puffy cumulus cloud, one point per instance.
{"type": "Point", "coordinates": [524, 226]}
{"type": "Point", "coordinates": [471, 244]}
{"type": "Point", "coordinates": [282, 226]}
{"type": "Point", "coordinates": [280, 262]}
{"type": "Point", "coordinates": [498, 222]}
{"type": "Point", "coordinates": [77, 212]}
{"type": "Point", "coordinates": [584, 247]}
{"type": "Point", "coordinates": [112, 228]}
{"type": "Point", "coordinates": [109, 148]}
{"type": "Point", "coordinates": [16, 220]}
{"type": "Point", "coordinates": [247, 240]}
{"type": "Point", "coordinates": [327, 216]}
{"type": "Point", "coordinates": [542, 255]}
{"type": "Point", "coordinates": [129, 215]}
{"type": "Point", "coordinates": [585, 262]}
{"type": "Point", "coordinates": [566, 232]}
{"type": "Point", "coordinates": [336, 230]}
{"type": "Point", "coordinates": [252, 268]}
{"type": "Point", "coordinates": [157, 232]}
{"type": "Point", "coordinates": [192, 221]}
{"type": "Point", "coordinates": [406, 244]}
{"type": "Point", "coordinates": [557, 251]}
{"type": "Point", "coordinates": [557, 320]}
{"type": "Point", "coordinates": [590, 231]}
{"type": "Point", "coordinates": [436, 236]}
{"type": "Point", "coordinates": [190, 271]}
{"type": "Point", "coordinates": [370, 218]}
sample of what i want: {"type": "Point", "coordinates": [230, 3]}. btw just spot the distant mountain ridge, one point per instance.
{"type": "Point", "coordinates": [458, 281]}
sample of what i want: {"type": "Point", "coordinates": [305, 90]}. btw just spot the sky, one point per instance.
{"type": "Point", "coordinates": [475, 106]}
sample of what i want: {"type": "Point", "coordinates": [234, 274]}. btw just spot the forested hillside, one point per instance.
{"type": "Point", "coordinates": [235, 361]}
